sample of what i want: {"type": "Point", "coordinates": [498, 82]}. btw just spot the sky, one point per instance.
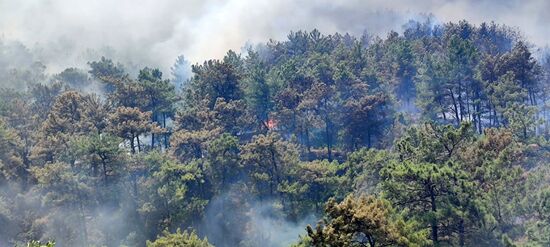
{"type": "Point", "coordinates": [155, 32]}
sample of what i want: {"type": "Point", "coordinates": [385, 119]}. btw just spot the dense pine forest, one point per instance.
{"type": "Point", "coordinates": [434, 136]}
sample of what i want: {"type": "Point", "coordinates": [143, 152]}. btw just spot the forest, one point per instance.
{"type": "Point", "coordinates": [434, 136]}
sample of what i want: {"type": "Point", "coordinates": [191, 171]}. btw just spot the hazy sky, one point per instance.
{"type": "Point", "coordinates": [155, 32]}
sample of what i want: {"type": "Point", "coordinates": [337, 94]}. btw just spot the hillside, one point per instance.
{"type": "Point", "coordinates": [435, 136]}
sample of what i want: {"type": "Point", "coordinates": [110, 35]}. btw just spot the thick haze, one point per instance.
{"type": "Point", "coordinates": [154, 32]}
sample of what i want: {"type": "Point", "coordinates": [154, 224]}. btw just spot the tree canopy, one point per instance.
{"type": "Point", "coordinates": [436, 136]}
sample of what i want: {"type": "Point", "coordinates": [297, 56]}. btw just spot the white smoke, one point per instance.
{"type": "Point", "coordinates": [236, 218]}
{"type": "Point", "coordinates": [154, 32]}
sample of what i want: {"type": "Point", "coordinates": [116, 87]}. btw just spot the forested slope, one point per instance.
{"type": "Point", "coordinates": [437, 136]}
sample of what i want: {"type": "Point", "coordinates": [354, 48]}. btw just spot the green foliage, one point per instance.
{"type": "Point", "coordinates": [224, 165]}
{"type": "Point", "coordinates": [11, 163]}
{"type": "Point", "coordinates": [172, 193]}
{"type": "Point", "coordinates": [129, 123]}
{"type": "Point", "coordinates": [74, 78]}
{"type": "Point", "coordinates": [101, 153]}
{"type": "Point", "coordinates": [256, 87]}
{"type": "Point", "coordinates": [64, 188]}
{"type": "Point", "coordinates": [268, 159]}
{"type": "Point", "coordinates": [538, 228]}
{"type": "Point", "coordinates": [214, 79]}
{"type": "Point", "coordinates": [40, 244]}
{"type": "Point", "coordinates": [179, 239]}
{"type": "Point", "coordinates": [444, 127]}
{"type": "Point", "coordinates": [312, 185]}
{"type": "Point", "coordinates": [105, 69]}
{"type": "Point", "coordinates": [430, 191]}
{"type": "Point", "coordinates": [363, 168]}
{"type": "Point", "coordinates": [364, 221]}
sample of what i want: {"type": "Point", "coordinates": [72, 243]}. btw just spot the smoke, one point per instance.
{"type": "Point", "coordinates": [181, 72]}
{"type": "Point", "coordinates": [236, 218]}
{"type": "Point", "coordinates": [67, 33]}
{"type": "Point", "coordinates": [29, 216]}
{"type": "Point", "coordinates": [274, 230]}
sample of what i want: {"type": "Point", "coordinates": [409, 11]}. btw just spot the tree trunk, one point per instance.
{"type": "Point", "coordinates": [442, 110]}
{"type": "Point", "coordinates": [83, 218]}
{"type": "Point", "coordinates": [153, 134]}
{"type": "Point", "coordinates": [461, 233]}
{"type": "Point", "coordinates": [329, 138]}
{"type": "Point", "coordinates": [104, 164]}
{"type": "Point", "coordinates": [434, 220]}
{"type": "Point", "coordinates": [166, 132]}
{"type": "Point", "coordinates": [478, 113]}
{"type": "Point", "coordinates": [275, 169]}
{"type": "Point", "coordinates": [460, 103]}
{"type": "Point", "coordinates": [308, 145]}
{"type": "Point", "coordinates": [496, 121]}
{"type": "Point", "coordinates": [132, 145]}
{"type": "Point", "coordinates": [455, 106]}
{"type": "Point", "coordinates": [139, 143]}
{"type": "Point", "coordinates": [328, 126]}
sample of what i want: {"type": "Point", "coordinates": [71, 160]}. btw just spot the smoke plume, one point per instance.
{"type": "Point", "coordinates": [64, 33]}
